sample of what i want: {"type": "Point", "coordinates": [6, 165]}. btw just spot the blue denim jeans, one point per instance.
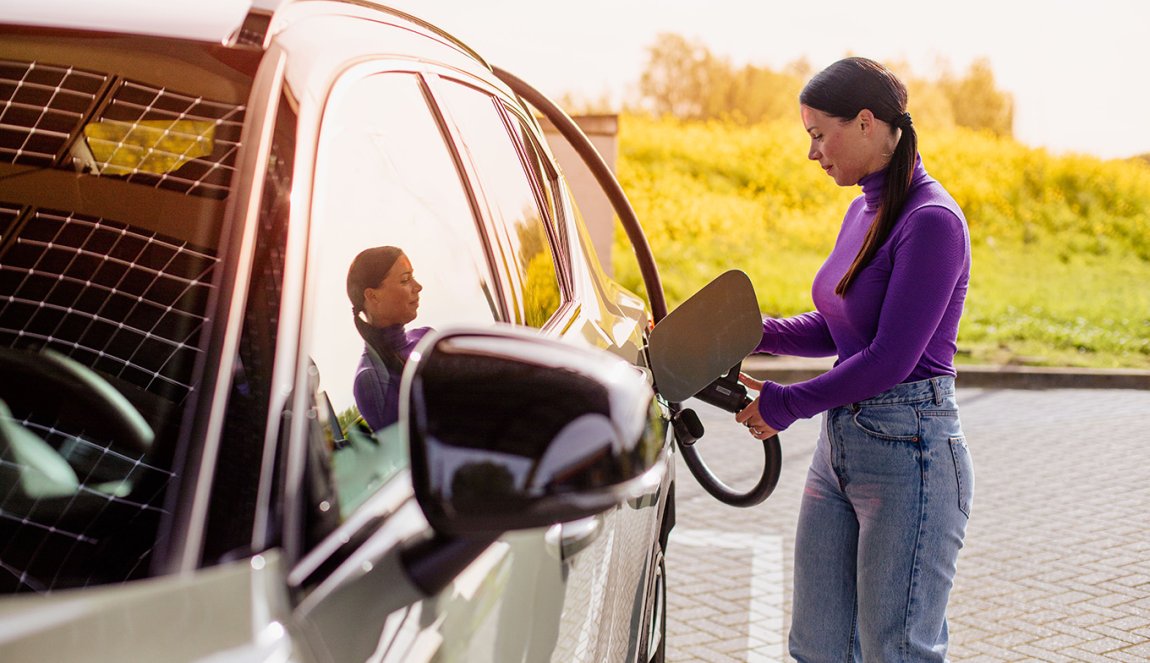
{"type": "Point", "coordinates": [882, 520]}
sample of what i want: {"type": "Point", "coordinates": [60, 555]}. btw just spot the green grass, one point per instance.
{"type": "Point", "coordinates": [1082, 310]}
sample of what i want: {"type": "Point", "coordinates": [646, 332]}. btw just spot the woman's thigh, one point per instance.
{"type": "Point", "coordinates": [909, 478]}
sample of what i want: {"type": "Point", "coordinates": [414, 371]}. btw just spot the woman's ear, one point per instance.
{"type": "Point", "coordinates": [865, 120]}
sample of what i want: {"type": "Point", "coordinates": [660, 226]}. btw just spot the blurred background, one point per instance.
{"type": "Point", "coordinates": [1032, 114]}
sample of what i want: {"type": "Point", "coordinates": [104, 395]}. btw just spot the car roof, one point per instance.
{"type": "Point", "coordinates": [201, 20]}
{"type": "Point", "coordinates": [218, 21]}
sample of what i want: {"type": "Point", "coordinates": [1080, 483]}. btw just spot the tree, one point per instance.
{"type": "Point", "coordinates": [976, 101]}
{"type": "Point", "coordinates": [683, 78]}
{"type": "Point", "coordinates": [678, 76]}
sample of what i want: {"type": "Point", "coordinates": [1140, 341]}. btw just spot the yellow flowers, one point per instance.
{"type": "Point", "coordinates": [714, 196]}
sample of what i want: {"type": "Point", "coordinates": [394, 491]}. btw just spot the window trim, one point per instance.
{"type": "Point", "coordinates": [501, 104]}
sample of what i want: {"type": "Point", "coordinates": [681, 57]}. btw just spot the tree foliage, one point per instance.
{"type": "Point", "coordinates": [684, 79]}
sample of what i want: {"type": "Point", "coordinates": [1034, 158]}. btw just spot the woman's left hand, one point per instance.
{"type": "Point", "coordinates": [750, 417]}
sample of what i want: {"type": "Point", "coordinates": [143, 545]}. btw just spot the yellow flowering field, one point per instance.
{"type": "Point", "coordinates": [1061, 244]}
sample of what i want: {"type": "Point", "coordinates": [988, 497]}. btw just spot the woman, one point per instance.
{"type": "Point", "coordinates": [888, 492]}
{"type": "Point", "coordinates": [384, 298]}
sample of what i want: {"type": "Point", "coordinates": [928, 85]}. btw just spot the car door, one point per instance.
{"type": "Point", "coordinates": [385, 176]}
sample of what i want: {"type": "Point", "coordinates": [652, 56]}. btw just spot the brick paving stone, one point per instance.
{"type": "Point", "coordinates": [1085, 656]}
{"type": "Point", "coordinates": [1057, 559]}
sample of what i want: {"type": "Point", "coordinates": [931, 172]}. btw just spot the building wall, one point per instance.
{"type": "Point", "coordinates": [596, 209]}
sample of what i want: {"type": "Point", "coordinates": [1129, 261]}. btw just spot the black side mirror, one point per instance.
{"type": "Point", "coordinates": [512, 431]}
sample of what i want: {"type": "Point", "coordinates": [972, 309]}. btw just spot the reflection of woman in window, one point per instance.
{"type": "Point", "coordinates": [384, 298]}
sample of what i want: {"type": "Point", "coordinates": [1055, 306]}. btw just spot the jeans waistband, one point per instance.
{"type": "Point", "coordinates": [937, 389]}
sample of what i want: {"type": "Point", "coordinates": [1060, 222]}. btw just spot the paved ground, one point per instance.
{"type": "Point", "coordinates": [1057, 559]}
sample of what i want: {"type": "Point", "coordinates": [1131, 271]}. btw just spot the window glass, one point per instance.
{"type": "Point", "coordinates": [384, 178]}
{"type": "Point", "coordinates": [116, 180]}
{"type": "Point", "coordinates": [514, 198]}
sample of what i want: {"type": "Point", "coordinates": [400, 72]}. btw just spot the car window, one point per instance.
{"type": "Point", "coordinates": [496, 146]}
{"type": "Point", "coordinates": [387, 187]}
{"type": "Point", "coordinates": [114, 178]}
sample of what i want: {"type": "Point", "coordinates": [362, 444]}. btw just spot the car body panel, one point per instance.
{"type": "Point", "coordinates": [232, 611]}
{"type": "Point", "coordinates": [238, 574]}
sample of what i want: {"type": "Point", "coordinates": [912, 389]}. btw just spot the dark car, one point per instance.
{"type": "Point", "coordinates": [186, 472]}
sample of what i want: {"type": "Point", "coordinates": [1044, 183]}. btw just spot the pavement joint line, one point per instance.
{"type": "Point", "coordinates": [766, 590]}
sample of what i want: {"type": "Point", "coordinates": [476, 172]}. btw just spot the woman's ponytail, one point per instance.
{"type": "Point", "coordinates": [898, 177]}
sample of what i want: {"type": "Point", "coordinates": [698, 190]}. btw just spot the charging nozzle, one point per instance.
{"type": "Point", "coordinates": [727, 392]}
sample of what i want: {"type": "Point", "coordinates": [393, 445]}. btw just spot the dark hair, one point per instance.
{"type": "Point", "coordinates": [368, 270]}
{"type": "Point", "coordinates": [843, 90]}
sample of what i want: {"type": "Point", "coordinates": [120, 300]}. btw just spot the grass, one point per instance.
{"type": "Point", "coordinates": [1061, 244]}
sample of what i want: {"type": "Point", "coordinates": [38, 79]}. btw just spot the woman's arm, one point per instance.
{"type": "Point", "coordinates": [804, 335]}
{"type": "Point", "coordinates": [928, 262]}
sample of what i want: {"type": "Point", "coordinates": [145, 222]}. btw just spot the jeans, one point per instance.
{"type": "Point", "coordinates": [883, 516]}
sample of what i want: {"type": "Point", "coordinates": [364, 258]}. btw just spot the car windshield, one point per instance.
{"type": "Point", "coordinates": [116, 158]}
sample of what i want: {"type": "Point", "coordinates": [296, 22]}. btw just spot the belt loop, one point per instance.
{"type": "Point", "coordinates": [934, 385]}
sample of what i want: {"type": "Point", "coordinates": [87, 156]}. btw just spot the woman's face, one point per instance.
{"type": "Point", "coordinates": [847, 150]}
{"type": "Point", "coordinates": [395, 301]}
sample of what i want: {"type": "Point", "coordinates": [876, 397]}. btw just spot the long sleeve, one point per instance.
{"type": "Point", "coordinates": [373, 397]}
{"type": "Point", "coordinates": [928, 266]}
{"type": "Point", "coordinates": [804, 335]}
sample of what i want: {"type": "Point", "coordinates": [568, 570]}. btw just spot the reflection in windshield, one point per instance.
{"type": "Point", "coordinates": [384, 298]}
{"type": "Point", "coordinates": [113, 180]}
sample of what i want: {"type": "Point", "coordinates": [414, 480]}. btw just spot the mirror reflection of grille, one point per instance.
{"type": "Point", "coordinates": [123, 301]}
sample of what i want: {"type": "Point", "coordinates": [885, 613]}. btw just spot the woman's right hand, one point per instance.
{"type": "Point", "coordinates": [750, 382]}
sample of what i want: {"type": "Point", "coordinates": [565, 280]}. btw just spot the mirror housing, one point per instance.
{"type": "Point", "coordinates": [511, 431]}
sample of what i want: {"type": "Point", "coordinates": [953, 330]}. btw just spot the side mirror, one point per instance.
{"type": "Point", "coordinates": [511, 431]}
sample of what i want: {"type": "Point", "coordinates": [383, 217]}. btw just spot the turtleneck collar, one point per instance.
{"type": "Point", "coordinates": [391, 336]}
{"type": "Point", "coordinates": [872, 184]}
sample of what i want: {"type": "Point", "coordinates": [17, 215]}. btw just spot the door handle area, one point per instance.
{"type": "Point", "coordinates": [566, 540]}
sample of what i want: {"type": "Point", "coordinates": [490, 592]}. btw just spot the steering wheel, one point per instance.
{"type": "Point", "coordinates": [50, 383]}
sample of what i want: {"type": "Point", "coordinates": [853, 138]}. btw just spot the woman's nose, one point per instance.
{"type": "Point", "coordinates": [813, 153]}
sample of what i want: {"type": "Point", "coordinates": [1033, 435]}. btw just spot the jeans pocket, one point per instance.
{"type": "Point", "coordinates": [963, 472]}
{"type": "Point", "coordinates": [895, 423]}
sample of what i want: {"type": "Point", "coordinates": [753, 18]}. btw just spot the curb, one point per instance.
{"type": "Point", "coordinates": [790, 371]}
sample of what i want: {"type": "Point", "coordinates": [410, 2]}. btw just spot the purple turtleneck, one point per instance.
{"type": "Point", "coordinates": [376, 388]}
{"type": "Point", "coordinates": [898, 321]}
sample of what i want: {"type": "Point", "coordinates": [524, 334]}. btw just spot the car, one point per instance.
{"type": "Point", "coordinates": [186, 472]}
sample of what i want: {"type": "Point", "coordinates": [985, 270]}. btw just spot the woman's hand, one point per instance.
{"type": "Point", "coordinates": [749, 416]}
{"type": "Point", "coordinates": [750, 382]}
